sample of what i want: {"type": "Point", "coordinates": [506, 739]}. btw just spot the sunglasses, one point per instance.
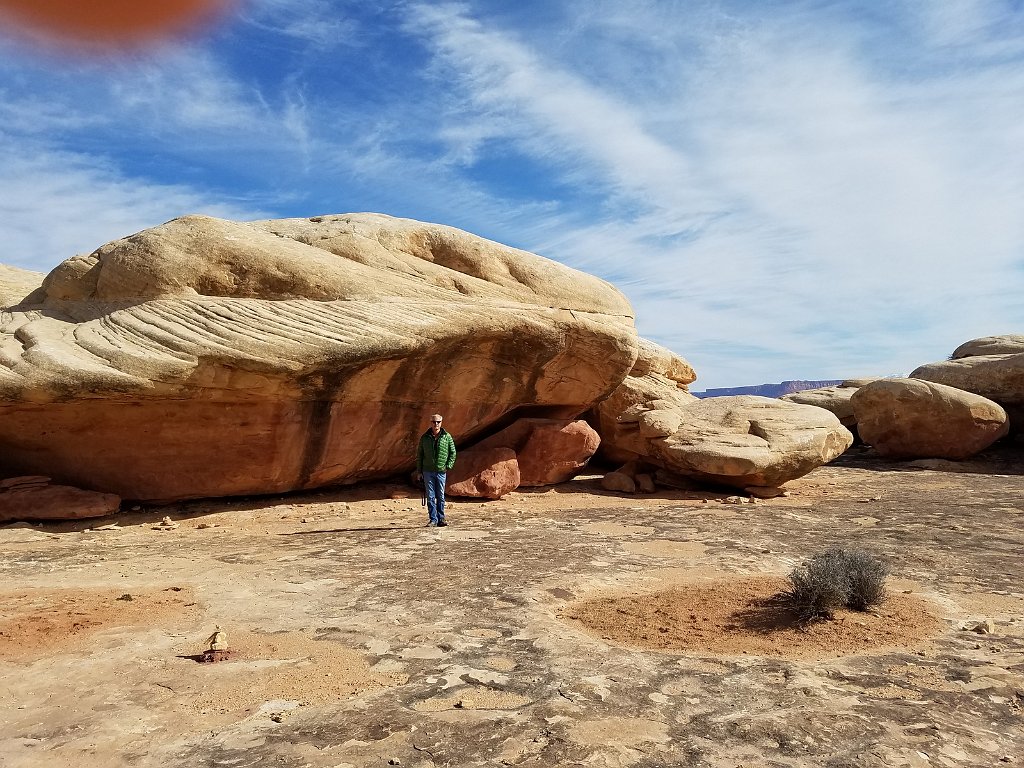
{"type": "Point", "coordinates": [435, 422]}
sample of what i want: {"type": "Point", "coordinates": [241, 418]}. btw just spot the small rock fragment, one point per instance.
{"type": "Point", "coordinates": [986, 627]}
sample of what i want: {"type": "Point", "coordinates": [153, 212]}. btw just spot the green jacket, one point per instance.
{"type": "Point", "coordinates": [435, 454]}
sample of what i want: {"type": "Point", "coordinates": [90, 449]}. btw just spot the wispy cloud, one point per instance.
{"type": "Point", "coordinates": [793, 190]}
{"type": "Point", "coordinates": [785, 190]}
{"type": "Point", "coordinates": [316, 23]}
{"type": "Point", "coordinates": [56, 204]}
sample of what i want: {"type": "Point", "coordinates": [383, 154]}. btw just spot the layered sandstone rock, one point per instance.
{"type": "Point", "coordinates": [992, 367]}
{"type": "Point", "coordinates": [739, 441]}
{"type": "Point", "coordinates": [914, 419]}
{"type": "Point", "coordinates": [658, 374]}
{"type": "Point", "coordinates": [36, 498]}
{"type": "Point", "coordinates": [206, 357]}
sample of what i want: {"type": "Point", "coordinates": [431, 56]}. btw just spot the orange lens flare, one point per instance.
{"type": "Point", "coordinates": [114, 23]}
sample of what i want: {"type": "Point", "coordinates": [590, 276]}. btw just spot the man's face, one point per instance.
{"type": "Point", "coordinates": [435, 425]}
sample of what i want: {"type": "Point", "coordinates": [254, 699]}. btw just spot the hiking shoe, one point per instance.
{"type": "Point", "coordinates": [432, 524]}
{"type": "Point", "coordinates": [442, 524]}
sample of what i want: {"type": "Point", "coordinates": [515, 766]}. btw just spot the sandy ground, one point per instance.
{"type": "Point", "coordinates": [565, 626]}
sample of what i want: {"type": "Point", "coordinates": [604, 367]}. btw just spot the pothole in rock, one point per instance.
{"type": "Point", "coordinates": [35, 623]}
{"type": "Point", "coordinates": [276, 666]}
{"type": "Point", "coordinates": [733, 617]}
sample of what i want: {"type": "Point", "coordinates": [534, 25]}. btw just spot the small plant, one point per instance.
{"type": "Point", "coordinates": [836, 578]}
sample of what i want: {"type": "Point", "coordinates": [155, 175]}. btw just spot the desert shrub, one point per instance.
{"type": "Point", "coordinates": [835, 578]}
{"type": "Point", "coordinates": [867, 575]}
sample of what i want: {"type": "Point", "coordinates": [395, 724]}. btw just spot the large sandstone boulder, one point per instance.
{"type": "Point", "coordinates": [914, 419]}
{"type": "Point", "coordinates": [549, 451]}
{"type": "Point", "coordinates": [992, 367]}
{"type": "Point", "coordinates": [484, 473]}
{"type": "Point", "coordinates": [739, 441]}
{"type": "Point", "coordinates": [36, 498]}
{"type": "Point", "coordinates": [1010, 344]}
{"type": "Point", "coordinates": [658, 374]}
{"type": "Point", "coordinates": [207, 357]}
{"type": "Point", "coordinates": [833, 399]}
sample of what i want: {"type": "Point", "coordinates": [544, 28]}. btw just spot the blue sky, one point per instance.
{"type": "Point", "coordinates": [784, 190]}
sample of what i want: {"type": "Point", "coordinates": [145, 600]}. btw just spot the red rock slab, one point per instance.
{"type": "Point", "coordinates": [487, 473]}
{"type": "Point", "coordinates": [26, 498]}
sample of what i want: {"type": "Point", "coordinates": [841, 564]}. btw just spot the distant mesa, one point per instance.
{"type": "Point", "coordinates": [767, 390]}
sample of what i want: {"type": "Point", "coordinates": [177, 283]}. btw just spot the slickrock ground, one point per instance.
{"type": "Point", "coordinates": [360, 637]}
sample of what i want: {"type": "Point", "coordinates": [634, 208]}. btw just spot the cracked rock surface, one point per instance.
{"type": "Point", "coordinates": [360, 637]}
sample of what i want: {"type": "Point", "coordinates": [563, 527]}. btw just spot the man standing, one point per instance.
{"type": "Point", "coordinates": [434, 457]}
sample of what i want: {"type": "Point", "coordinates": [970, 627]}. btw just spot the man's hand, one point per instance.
{"type": "Point", "coordinates": [417, 476]}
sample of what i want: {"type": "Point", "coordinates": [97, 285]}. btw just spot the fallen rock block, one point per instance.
{"type": "Point", "coordinates": [619, 482]}
{"type": "Point", "coordinates": [484, 473]}
{"type": "Point", "coordinates": [549, 451]}
{"type": "Point", "coordinates": [36, 498]}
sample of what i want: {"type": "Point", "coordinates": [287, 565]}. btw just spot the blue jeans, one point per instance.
{"type": "Point", "coordinates": [434, 483]}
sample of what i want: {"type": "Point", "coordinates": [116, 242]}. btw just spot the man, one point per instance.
{"type": "Point", "coordinates": [434, 457]}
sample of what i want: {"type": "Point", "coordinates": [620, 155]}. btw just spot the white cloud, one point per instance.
{"type": "Point", "coordinates": [793, 192]}
{"type": "Point", "coordinates": [56, 204]}
{"type": "Point", "coordinates": [578, 122]}
{"type": "Point", "coordinates": [186, 89]}
{"type": "Point", "coordinates": [782, 201]}
{"type": "Point", "coordinates": [315, 23]}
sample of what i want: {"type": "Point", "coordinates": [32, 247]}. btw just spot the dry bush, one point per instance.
{"type": "Point", "coordinates": [836, 578]}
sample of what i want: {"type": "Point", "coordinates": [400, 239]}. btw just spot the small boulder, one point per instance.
{"type": "Point", "coordinates": [487, 473]}
{"type": "Point", "coordinates": [916, 419]}
{"type": "Point", "coordinates": [660, 423]}
{"type": "Point", "coordinates": [618, 481]}
{"type": "Point", "coordinates": [986, 627]}
{"type": "Point", "coordinates": [556, 451]}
